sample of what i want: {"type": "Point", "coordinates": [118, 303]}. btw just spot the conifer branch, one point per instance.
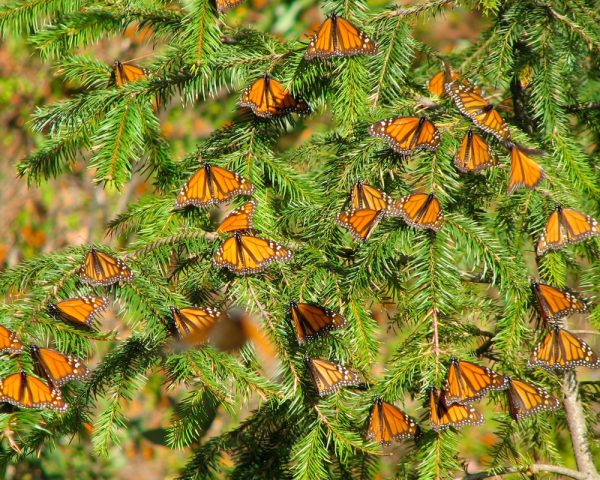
{"type": "Point", "coordinates": [529, 469]}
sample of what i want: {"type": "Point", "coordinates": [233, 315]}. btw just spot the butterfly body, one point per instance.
{"type": "Point", "coordinates": [194, 324]}
{"type": "Point", "coordinates": [554, 303]}
{"type": "Point", "coordinates": [443, 415]}
{"type": "Point", "coordinates": [421, 210]}
{"type": "Point", "coordinates": [313, 321]}
{"type": "Point", "coordinates": [566, 226]}
{"type": "Point", "coordinates": [101, 269]}
{"type": "Point", "coordinates": [268, 98]}
{"type": "Point", "coordinates": [26, 391]}
{"type": "Point", "coordinates": [474, 154]}
{"type": "Point", "coordinates": [57, 367]}
{"type": "Point", "coordinates": [212, 185]}
{"type": "Point", "coordinates": [329, 377]}
{"type": "Point", "coordinates": [9, 341]}
{"type": "Point", "coordinates": [561, 350]}
{"type": "Point", "coordinates": [337, 37]}
{"type": "Point", "coordinates": [407, 135]}
{"type": "Point", "coordinates": [247, 254]}
{"type": "Point", "coordinates": [78, 311]}
{"type": "Point", "coordinates": [467, 382]}
{"type": "Point", "coordinates": [387, 422]}
{"type": "Point", "coordinates": [525, 399]}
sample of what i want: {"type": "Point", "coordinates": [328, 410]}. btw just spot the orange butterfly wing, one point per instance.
{"type": "Point", "coordinates": [312, 321]}
{"type": "Point", "coordinates": [524, 172]}
{"type": "Point", "coordinates": [474, 154]}
{"type": "Point", "coordinates": [565, 226]}
{"type": "Point", "coordinates": [479, 110]}
{"type": "Point", "coordinates": [79, 311]}
{"type": "Point", "coordinates": [525, 399]}
{"type": "Point", "coordinates": [125, 73]}
{"type": "Point", "coordinates": [421, 210]}
{"type": "Point", "coordinates": [211, 185]}
{"type": "Point", "coordinates": [337, 37]}
{"type": "Point", "coordinates": [101, 269]}
{"type": "Point", "coordinates": [361, 222]}
{"type": "Point", "coordinates": [195, 324]}
{"type": "Point", "coordinates": [387, 423]}
{"type": "Point", "coordinates": [554, 303]}
{"type": "Point", "coordinates": [330, 377]}
{"type": "Point", "coordinates": [57, 367]}
{"type": "Point", "coordinates": [407, 135]}
{"type": "Point", "coordinates": [467, 382]}
{"type": "Point", "coordinates": [442, 416]}
{"type": "Point", "coordinates": [561, 350]}
{"type": "Point", "coordinates": [9, 342]}
{"type": "Point", "coordinates": [368, 196]}
{"type": "Point", "coordinates": [268, 98]}
{"type": "Point", "coordinates": [437, 83]}
{"type": "Point", "coordinates": [247, 254]}
{"type": "Point", "coordinates": [26, 391]}
{"type": "Point", "coordinates": [239, 219]}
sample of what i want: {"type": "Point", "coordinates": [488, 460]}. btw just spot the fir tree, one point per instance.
{"type": "Point", "coordinates": [462, 291]}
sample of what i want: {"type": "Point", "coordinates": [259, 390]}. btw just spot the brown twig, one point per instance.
{"type": "Point", "coordinates": [566, 472]}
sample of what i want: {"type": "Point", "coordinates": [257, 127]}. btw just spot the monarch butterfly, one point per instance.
{"type": "Point", "coordinates": [210, 185]}
{"type": "Point", "coordinates": [57, 367]}
{"type": "Point", "coordinates": [421, 210]}
{"type": "Point", "coordinates": [268, 98]}
{"type": "Point", "coordinates": [457, 415]}
{"type": "Point", "coordinates": [524, 172]}
{"type": "Point", "coordinates": [246, 254]}
{"type": "Point", "coordinates": [478, 109]}
{"type": "Point", "coordinates": [467, 382]}
{"type": "Point", "coordinates": [124, 73]}
{"type": "Point", "coordinates": [337, 37]}
{"type": "Point", "coordinates": [359, 222]}
{"type": "Point", "coordinates": [101, 269]}
{"type": "Point", "coordinates": [9, 342]}
{"type": "Point", "coordinates": [238, 220]}
{"type": "Point", "coordinates": [565, 226]}
{"type": "Point", "coordinates": [555, 303]}
{"type": "Point", "coordinates": [387, 422]}
{"type": "Point", "coordinates": [224, 5]}
{"type": "Point", "coordinates": [194, 324]}
{"type": "Point", "coordinates": [78, 311]}
{"type": "Point", "coordinates": [437, 83]}
{"type": "Point", "coordinates": [407, 135]}
{"type": "Point", "coordinates": [27, 391]}
{"type": "Point", "coordinates": [525, 399]}
{"type": "Point", "coordinates": [474, 154]}
{"type": "Point", "coordinates": [330, 377]}
{"type": "Point", "coordinates": [365, 196]}
{"type": "Point", "coordinates": [312, 321]}
{"type": "Point", "coordinates": [561, 350]}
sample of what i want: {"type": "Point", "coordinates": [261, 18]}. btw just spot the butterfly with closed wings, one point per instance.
{"type": "Point", "coordinates": [555, 303]}
{"type": "Point", "coordinates": [329, 377]}
{"type": "Point", "coordinates": [387, 422]}
{"type": "Point", "coordinates": [443, 415]}
{"type": "Point", "coordinates": [268, 98]}
{"type": "Point", "coordinates": [194, 324]}
{"type": "Point", "coordinates": [79, 311]}
{"type": "Point", "coordinates": [467, 382]}
{"type": "Point", "coordinates": [312, 321]}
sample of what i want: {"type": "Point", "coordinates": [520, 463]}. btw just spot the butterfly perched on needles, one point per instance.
{"type": "Point", "coordinates": [101, 269]}
{"type": "Point", "coordinates": [224, 5]}
{"type": "Point", "coordinates": [555, 303]}
{"type": "Point", "coordinates": [561, 350]}
{"type": "Point", "coordinates": [438, 83]}
{"type": "Point", "coordinates": [524, 171]}
{"type": "Point", "coordinates": [246, 254]}
{"type": "Point", "coordinates": [421, 210]}
{"type": "Point", "coordinates": [194, 324]}
{"type": "Point", "coordinates": [443, 415]}
{"type": "Point", "coordinates": [211, 185]}
{"type": "Point", "coordinates": [337, 37]}
{"type": "Point", "coordinates": [467, 382]}
{"type": "Point", "coordinates": [364, 196]}
{"type": "Point", "coordinates": [268, 98]}
{"type": "Point", "coordinates": [407, 135]}
{"type": "Point", "coordinates": [474, 154]}
{"type": "Point", "coordinates": [125, 72]}
{"type": "Point", "coordinates": [57, 367]}
{"type": "Point", "coordinates": [566, 226]}
{"type": "Point", "coordinates": [27, 391]}
{"type": "Point", "coordinates": [478, 109]}
{"type": "Point", "coordinates": [387, 422]}
{"type": "Point", "coordinates": [79, 311]}
{"type": "Point", "coordinates": [525, 399]}
{"type": "Point", "coordinates": [330, 377]}
{"type": "Point", "coordinates": [312, 321]}
{"type": "Point", "coordinates": [239, 219]}
{"type": "Point", "coordinates": [360, 222]}
{"type": "Point", "coordinates": [9, 341]}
